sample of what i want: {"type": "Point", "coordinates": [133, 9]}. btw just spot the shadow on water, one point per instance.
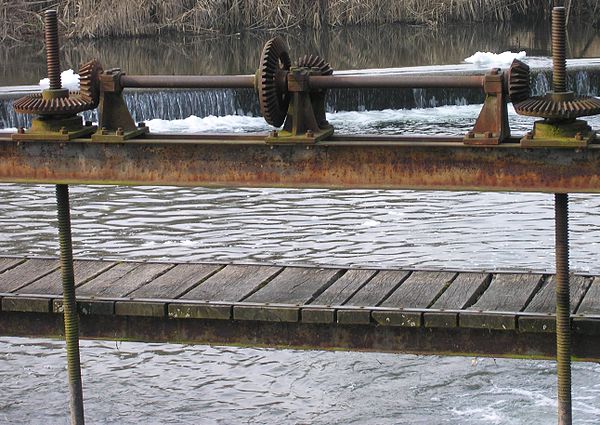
{"type": "Point", "coordinates": [345, 48]}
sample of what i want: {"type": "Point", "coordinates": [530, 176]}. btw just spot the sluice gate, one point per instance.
{"type": "Point", "coordinates": [389, 310]}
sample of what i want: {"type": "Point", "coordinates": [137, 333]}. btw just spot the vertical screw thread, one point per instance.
{"type": "Point", "coordinates": [563, 308]}
{"type": "Point", "coordinates": [69, 304]}
{"type": "Point", "coordinates": [52, 56]}
{"type": "Point", "coordinates": [559, 65]}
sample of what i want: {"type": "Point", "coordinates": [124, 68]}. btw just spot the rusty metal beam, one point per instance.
{"type": "Point", "coordinates": [342, 162]}
{"type": "Point", "coordinates": [438, 341]}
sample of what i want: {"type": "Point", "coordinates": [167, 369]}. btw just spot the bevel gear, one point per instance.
{"type": "Point", "coordinates": [518, 81]}
{"type": "Point", "coordinates": [272, 91]}
{"type": "Point", "coordinates": [311, 61]}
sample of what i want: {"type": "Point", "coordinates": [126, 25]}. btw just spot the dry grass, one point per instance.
{"type": "Point", "coordinates": [105, 18]}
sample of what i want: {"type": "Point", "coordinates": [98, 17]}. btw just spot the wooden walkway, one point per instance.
{"type": "Point", "coordinates": [445, 312]}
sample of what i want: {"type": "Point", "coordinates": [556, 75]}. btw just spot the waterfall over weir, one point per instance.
{"type": "Point", "coordinates": [176, 104]}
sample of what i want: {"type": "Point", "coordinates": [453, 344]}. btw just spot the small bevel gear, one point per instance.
{"type": "Point", "coordinates": [89, 81]}
{"type": "Point", "coordinates": [66, 103]}
{"type": "Point", "coordinates": [272, 93]}
{"type": "Point", "coordinates": [310, 61]}
{"type": "Point", "coordinates": [518, 81]}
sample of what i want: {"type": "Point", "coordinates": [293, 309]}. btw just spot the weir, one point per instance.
{"type": "Point", "coordinates": [517, 314]}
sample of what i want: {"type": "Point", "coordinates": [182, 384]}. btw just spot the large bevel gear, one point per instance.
{"type": "Point", "coordinates": [553, 107]}
{"type": "Point", "coordinates": [272, 94]}
{"type": "Point", "coordinates": [518, 81]}
{"type": "Point", "coordinates": [310, 61]}
{"type": "Point", "coordinates": [72, 102]}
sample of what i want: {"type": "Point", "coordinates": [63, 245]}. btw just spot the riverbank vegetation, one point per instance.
{"type": "Point", "coordinates": [115, 18]}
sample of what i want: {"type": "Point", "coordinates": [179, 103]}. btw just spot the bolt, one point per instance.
{"type": "Point", "coordinates": [273, 133]}
{"type": "Point", "coordinates": [470, 135]}
{"type": "Point", "coordinates": [489, 134]}
{"type": "Point", "coordinates": [104, 131]}
{"type": "Point", "coordinates": [529, 135]}
{"type": "Point", "coordinates": [559, 65]}
{"type": "Point", "coordinates": [578, 136]}
{"type": "Point", "coordinates": [310, 133]}
{"type": "Point", "coordinates": [119, 132]}
{"type": "Point", "coordinates": [21, 130]}
{"type": "Point", "coordinates": [63, 130]}
{"type": "Point", "coordinates": [52, 49]}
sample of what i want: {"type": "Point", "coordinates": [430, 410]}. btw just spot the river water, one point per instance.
{"type": "Point", "coordinates": [131, 383]}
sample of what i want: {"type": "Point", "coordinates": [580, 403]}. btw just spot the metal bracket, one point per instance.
{"type": "Point", "coordinates": [61, 129]}
{"type": "Point", "coordinates": [115, 121]}
{"type": "Point", "coordinates": [305, 121]}
{"type": "Point", "coordinates": [491, 127]}
{"type": "Point", "coordinates": [549, 134]}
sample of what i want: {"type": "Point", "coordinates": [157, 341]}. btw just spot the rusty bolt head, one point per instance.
{"type": "Point", "coordinates": [489, 134]}
{"type": "Point", "coordinates": [120, 132]}
{"type": "Point", "coordinates": [471, 135]}
{"type": "Point", "coordinates": [273, 133]}
{"type": "Point", "coordinates": [63, 130]}
{"type": "Point", "coordinates": [578, 136]}
{"type": "Point", "coordinates": [21, 130]}
{"type": "Point", "coordinates": [529, 135]}
{"type": "Point", "coordinates": [104, 131]}
{"type": "Point", "coordinates": [310, 133]}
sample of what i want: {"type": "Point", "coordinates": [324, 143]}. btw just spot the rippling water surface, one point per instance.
{"type": "Point", "coordinates": [130, 383]}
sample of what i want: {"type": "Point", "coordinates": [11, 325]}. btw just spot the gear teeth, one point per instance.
{"type": "Point", "coordinates": [518, 81]}
{"type": "Point", "coordinates": [313, 61]}
{"type": "Point", "coordinates": [89, 81]}
{"type": "Point", "coordinates": [272, 100]}
{"type": "Point", "coordinates": [546, 107]}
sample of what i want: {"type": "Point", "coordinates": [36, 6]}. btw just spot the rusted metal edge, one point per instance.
{"type": "Point", "coordinates": [300, 335]}
{"type": "Point", "coordinates": [381, 164]}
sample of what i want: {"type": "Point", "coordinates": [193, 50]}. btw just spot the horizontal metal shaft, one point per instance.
{"type": "Point", "coordinates": [315, 82]}
{"type": "Point", "coordinates": [188, 81]}
{"type": "Point", "coordinates": [396, 81]}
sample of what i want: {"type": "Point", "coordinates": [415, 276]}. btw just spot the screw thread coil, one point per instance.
{"type": "Point", "coordinates": [559, 74]}
{"type": "Point", "coordinates": [563, 313]}
{"type": "Point", "coordinates": [69, 304]}
{"type": "Point", "coordinates": [52, 49]}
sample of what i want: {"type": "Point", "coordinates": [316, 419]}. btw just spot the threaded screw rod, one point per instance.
{"type": "Point", "coordinates": [52, 56]}
{"type": "Point", "coordinates": [559, 64]}
{"type": "Point", "coordinates": [563, 308]}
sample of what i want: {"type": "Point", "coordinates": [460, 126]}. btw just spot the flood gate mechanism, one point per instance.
{"type": "Point", "coordinates": [293, 96]}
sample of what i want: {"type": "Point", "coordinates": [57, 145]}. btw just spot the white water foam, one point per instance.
{"type": "Point", "coordinates": [69, 80]}
{"type": "Point", "coordinates": [489, 59]}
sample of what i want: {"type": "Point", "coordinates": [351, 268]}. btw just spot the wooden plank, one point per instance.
{"type": "Point", "coordinates": [406, 319]}
{"type": "Point", "coordinates": [176, 281]}
{"type": "Point", "coordinates": [508, 292]}
{"type": "Point", "coordinates": [25, 273]}
{"type": "Point", "coordinates": [491, 320]}
{"type": "Point", "coordinates": [141, 308]}
{"type": "Point", "coordinates": [199, 311]}
{"type": "Point", "coordinates": [295, 285]}
{"type": "Point", "coordinates": [26, 304]}
{"type": "Point", "coordinates": [345, 287]}
{"type": "Point", "coordinates": [233, 283]}
{"type": "Point", "coordinates": [87, 307]}
{"type": "Point", "coordinates": [266, 313]}
{"type": "Point", "coordinates": [317, 315]}
{"type": "Point", "coordinates": [419, 290]}
{"type": "Point", "coordinates": [378, 288]}
{"type": "Point", "coordinates": [544, 300]}
{"type": "Point", "coordinates": [590, 306]}
{"type": "Point", "coordinates": [463, 291]}
{"type": "Point", "coordinates": [52, 283]}
{"type": "Point", "coordinates": [122, 279]}
{"type": "Point", "coordinates": [9, 263]}
{"type": "Point", "coordinates": [354, 316]}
